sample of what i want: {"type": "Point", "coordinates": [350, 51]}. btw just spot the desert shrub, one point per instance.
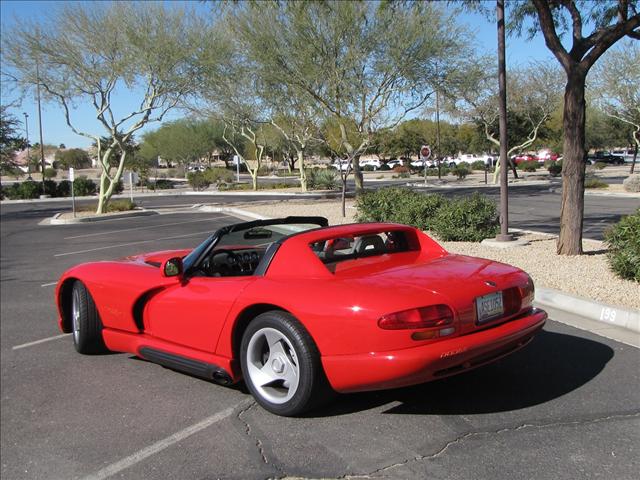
{"type": "Point", "coordinates": [369, 168]}
{"type": "Point", "coordinates": [632, 183]}
{"type": "Point", "coordinates": [460, 171]}
{"type": "Point", "coordinates": [528, 166]}
{"type": "Point", "coordinates": [198, 181]}
{"type": "Point", "coordinates": [433, 172]}
{"type": "Point", "coordinates": [118, 188]}
{"type": "Point", "coordinates": [50, 188]}
{"type": "Point", "coordinates": [218, 175]}
{"type": "Point", "coordinates": [623, 240]}
{"type": "Point", "coordinates": [264, 170]}
{"type": "Point", "coordinates": [120, 206]}
{"type": "Point", "coordinates": [63, 189]}
{"type": "Point", "coordinates": [159, 184]}
{"type": "Point", "coordinates": [554, 168]}
{"type": "Point", "coordinates": [30, 189]}
{"type": "Point", "coordinates": [12, 192]}
{"type": "Point", "coordinates": [50, 172]}
{"type": "Point", "coordinates": [478, 165]}
{"type": "Point", "coordinates": [385, 167]}
{"type": "Point", "coordinates": [466, 219]}
{"type": "Point", "coordinates": [398, 205]}
{"type": "Point", "coordinates": [322, 179]}
{"type": "Point", "coordinates": [400, 169]}
{"type": "Point", "coordinates": [83, 186]}
{"type": "Point", "coordinates": [599, 165]}
{"type": "Point", "coordinates": [595, 183]}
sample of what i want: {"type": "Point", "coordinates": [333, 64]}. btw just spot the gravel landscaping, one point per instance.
{"type": "Point", "coordinates": [587, 275]}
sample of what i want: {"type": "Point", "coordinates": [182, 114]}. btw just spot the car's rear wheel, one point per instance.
{"type": "Point", "coordinates": [85, 321]}
{"type": "Point", "coordinates": [281, 365]}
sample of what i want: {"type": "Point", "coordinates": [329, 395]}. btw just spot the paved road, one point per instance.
{"type": "Point", "coordinates": [531, 207]}
{"type": "Point", "coordinates": [566, 407]}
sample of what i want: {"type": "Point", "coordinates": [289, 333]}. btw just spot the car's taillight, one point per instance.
{"type": "Point", "coordinates": [527, 293]}
{"type": "Point", "coordinates": [433, 316]}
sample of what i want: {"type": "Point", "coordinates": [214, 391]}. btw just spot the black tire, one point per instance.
{"type": "Point", "coordinates": [312, 389]}
{"type": "Point", "coordinates": [85, 322]}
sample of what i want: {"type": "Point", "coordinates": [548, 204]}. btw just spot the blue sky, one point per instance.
{"type": "Point", "coordinates": [520, 52]}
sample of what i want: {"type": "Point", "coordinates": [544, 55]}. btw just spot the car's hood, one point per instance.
{"type": "Point", "coordinates": [156, 258]}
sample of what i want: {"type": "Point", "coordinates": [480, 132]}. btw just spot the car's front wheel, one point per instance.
{"type": "Point", "coordinates": [281, 365]}
{"type": "Point", "coordinates": [85, 321]}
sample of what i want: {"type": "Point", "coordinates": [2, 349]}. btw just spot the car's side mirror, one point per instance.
{"type": "Point", "coordinates": [172, 267]}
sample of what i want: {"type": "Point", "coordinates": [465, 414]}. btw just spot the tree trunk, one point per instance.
{"type": "Point", "coordinates": [254, 179]}
{"type": "Point", "coordinates": [357, 174]}
{"type": "Point", "coordinates": [343, 196]}
{"type": "Point", "coordinates": [303, 174]}
{"type": "Point", "coordinates": [573, 165]}
{"type": "Point", "coordinates": [636, 137]}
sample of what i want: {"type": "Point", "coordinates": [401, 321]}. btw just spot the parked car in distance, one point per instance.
{"type": "Point", "coordinates": [395, 163]}
{"type": "Point", "coordinates": [370, 162]}
{"type": "Point", "coordinates": [626, 155]}
{"type": "Point", "coordinates": [524, 157]}
{"type": "Point", "coordinates": [604, 157]}
{"type": "Point", "coordinates": [341, 164]}
{"type": "Point", "coordinates": [196, 168]}
{"type": "Point", "coordinates": [546, 154]}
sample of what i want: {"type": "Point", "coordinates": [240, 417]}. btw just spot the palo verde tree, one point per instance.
{"type": "Point", "coordinates": [92, 53]}
{"type": "Point", "coordinates": [617, 87]}
{"type": "Point", "coordinates": [563, 24]}
{"type": "Point", "coordinates": [534, 95]}
{"type": "Point", "coordinates": [366, 64]}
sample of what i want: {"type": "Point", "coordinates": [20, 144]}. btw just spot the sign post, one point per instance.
{"type": "Point", "coordinates": [73, 197]}
{"type": "Point", "coordinates": [425, 154]}
{"type": "Point", "coordinates": [236, 160]}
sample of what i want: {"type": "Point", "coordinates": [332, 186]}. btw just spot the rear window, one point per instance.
{"type": "Point", "coordinates": [338, 249]}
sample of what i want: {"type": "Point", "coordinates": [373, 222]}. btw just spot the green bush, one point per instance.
{"type": "Point", "coordinates": [50, 172]}
{"type": "Point", "coordinates": [50, 188]}
{"type": "Point", "coordinates": [218, 175]}
{"type": "Point", "coordinates": [433, 172]}
{"type": "Point", "coordinates": [478, 165]}
{"type": "Point", "coordinates": [467, 219]}
{"type": "Point", "coordinates": [595, 183]}
{"type": "Point", "coordinates": [119, 187]}
{"type": "Point", "coordinates": [599, 165]}
{"type": "Point", "coordinates": [369, 168]}
{"type": "Point", "coordinates": [398, 205]}
{"type": "Point", "coordinates": [159, 184]}
{"type": "Point", "coordinates": [385, 167]}
{"type": "Point", "coordinates": [82, 186]}
{"type": "Point", "coordinates": [632, 183]}
{"type": "Point", "coordinates": [528, 166]}
{"type": "Point", "coordinates": [63, 189]}
{"type": "Point", "coordinates": [13, 191]}
{"type": "Point", "coordinates": [198, 181]}
{"type": "Point", "coordinates": [322, 179]}
{"type": "Point", "coordinates": [554, 168]}
{"type": "Point", "coordinates": [30, 189]}
{"type": "Point", "coordinates": [624, 247]}
{"type": "Point", "coordinates": [461, 171]}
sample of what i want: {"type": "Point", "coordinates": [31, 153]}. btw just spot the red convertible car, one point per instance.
{"type": "Point", "coordinates": [299, 309]}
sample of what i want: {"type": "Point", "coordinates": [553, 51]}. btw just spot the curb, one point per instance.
{"type": "Point", "coordinates": [56, 220]}
{"type": "Point", "coordinates": [602, 319]}
{"type": "Point", "coordinates": [238, 212]}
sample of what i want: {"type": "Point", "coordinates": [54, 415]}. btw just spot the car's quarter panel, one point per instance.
{"type": "Point", "coordinates": [193, 312]}
{"type": "Point", "coordinates": [115, 288]}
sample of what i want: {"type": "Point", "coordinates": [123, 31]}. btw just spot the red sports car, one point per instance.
{"type": "Point", "coordinates": [299, 309]}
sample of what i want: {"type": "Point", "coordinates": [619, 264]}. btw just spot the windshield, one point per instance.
{"type": "Point", "coordinates": [256, 235]}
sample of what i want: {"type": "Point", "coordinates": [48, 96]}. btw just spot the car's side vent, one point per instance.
{"type": "Point", "coordinates": [138, 307]}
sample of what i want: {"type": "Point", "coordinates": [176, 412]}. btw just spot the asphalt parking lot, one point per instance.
{"type": "Point", "coordinates": [566, 407]}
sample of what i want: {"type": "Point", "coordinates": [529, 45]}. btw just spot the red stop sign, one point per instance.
{"type": "Point", "coordinates": [425, 151]}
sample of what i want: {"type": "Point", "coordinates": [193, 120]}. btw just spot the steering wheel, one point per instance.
{"type": "Point", "coordinates": [231, 263]}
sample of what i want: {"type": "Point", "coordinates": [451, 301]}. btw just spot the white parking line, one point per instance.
{"type": "Point", "coordinates": [38, 342]}
{"type": "Point", "coordinates": [48, 284]}
{"type": "Point", "coordinates": [141, 228]}
{"type": "Point", "coordinates": [130, 243]}
{"type": "Point", "coordinates": [163, 444]}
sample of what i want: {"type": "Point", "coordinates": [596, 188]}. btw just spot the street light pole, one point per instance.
{"type": "Point", "coordinates": [504, 235]}
{"type": "Point", "coordinates": [26, 127]}
{"type": "Point", "coordinates": [42, 163]}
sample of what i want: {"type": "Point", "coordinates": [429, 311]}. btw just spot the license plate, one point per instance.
{"type": "Point", "coordinates": [489, 306]}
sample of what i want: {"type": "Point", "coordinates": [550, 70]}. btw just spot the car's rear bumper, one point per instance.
{"type": "Point", "coordinates": [410, 366]}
